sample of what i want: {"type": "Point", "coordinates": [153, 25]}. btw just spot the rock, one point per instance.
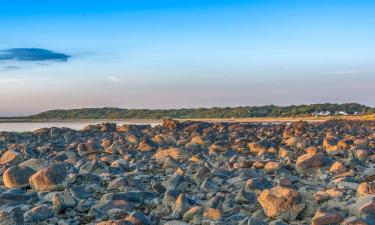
{"type": "Point", "coordinates": [366, 188]}
{"type": "Point", "coordinates": [363, 206]}
{"type": "Point", "coordinates": [17, 176]}
{"type": "Point", "coordinates": [189, 215]}
{"type": "Point", "coordinates": [10, 156]}
{"type": "Point", "coordinates": [281, 202]}
{"type": "Point", "coordinates": [119, 184]}
{"type": "Point", "coordinates": [175, 153]}
{"type": "Point", "coordinates": [310, 163]}
{"type": "Point", "coordinates": [15, 195]}
{"type": "Point", "coordinates": [35, 164]}
{"type": "Point", "coordinates": [212, 214]}
{"type": "Point", "coordinates": [138, 218]}
{"type": "Point", "coordinates": [219, 173]}
{"type": "Point", "coordinates": [257, 184]}
{"type": "Point", "coordinates": [245, 197]}
{"type": "Point", "coordinates": [260, 146]}
{"type": "Point", "coordinates": [170, 197]}
{"type": "Point", "coordinates": [201, 174]}
{"type": "Point", "coordinates": [145, 146]}
{"type": "Point", "coordinates": [354, 221]}
{"type": "Point", "coordinates": [101, 209]}
{"type": "Point", "coordinates": [326, 217]}
{"type": "Point", "coordinates": [170, 124]}
{"type": "Point", "coordinates": [338, 167]}
{"type": "Point", "coordinates": [38, 213]}
{"type": "Point", "coordinates": [175, 222]}
{"type": "Point", "coordinates": [115, 222]}
{"type": "Point", "coordinates": [272, 166]}
{"type": "Point", "coordinates": [63, 200]}
{"type": "Point", "coordinates": [88, 167]}
{"type": "Point", "coordinates": [181, 205]}
{"type": "Point", "coordinates": [51, 178]}
{"type": "Point", "coordinates": [11, 215]}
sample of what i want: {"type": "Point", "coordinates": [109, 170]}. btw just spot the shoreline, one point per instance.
{"type": "Point", "coordinates": [239, 120]}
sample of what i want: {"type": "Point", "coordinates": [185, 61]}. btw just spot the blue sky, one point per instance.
{"type": "Point", "coordinates": [172, 54]}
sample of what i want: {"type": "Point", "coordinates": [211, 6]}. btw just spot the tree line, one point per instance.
{"type": "Point", "coordinates": [214, 112]}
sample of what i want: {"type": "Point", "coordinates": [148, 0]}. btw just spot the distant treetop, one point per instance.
{"type": "Point", "coordinates": [215, 112]}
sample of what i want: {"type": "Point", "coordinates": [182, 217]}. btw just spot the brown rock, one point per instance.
{"type": "Point", "coordinates": [366, 188]}
{"type": "Point", "coordinates": [354, 221]}
{"type": "Point", "coordinates": [10, 156]}
{"type": "Point", "coordinates": [312, 150]}
{"type": "Point", "coordinates": [51, 178]}
{"type": "Point", "coordinates": [272, 166]}
{"type": "Point", "coordinates": [175, 153]}
{"type": "Point", "coordinates": [144, 146]}
{"type": "Point", "coordinates": [17, 176]}
{"type": "Point", "coordinates": [310, 163]}
{"type": "Point", "coordinates": [281, 202]}
{"type": "Point", "coordinates": [114, 222]}
{"type": "Point", "coordinates": [326, 217]}
{"type": "Point", "coordinates": [338, 167]}
{"type": "Point", "coordinates": [212, 214]}
{"type": "Point", "coordinates": [170, 124]}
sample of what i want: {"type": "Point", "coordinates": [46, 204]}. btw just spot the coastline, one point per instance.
{"type": "Point", "coordinates": [152, 121]}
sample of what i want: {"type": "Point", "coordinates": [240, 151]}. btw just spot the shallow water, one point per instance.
{"type": "Point", "coordinates": [24, 127]}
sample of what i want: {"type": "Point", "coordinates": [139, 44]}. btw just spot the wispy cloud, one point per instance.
{"type": "Point", "coordinates": [32, 54]}
{"type": "Point", "coordinates": [350, 72]}
{"type": "Point", "coordinates": [12, 80]}
{"type": "Point", "coordinates": [114, 79]}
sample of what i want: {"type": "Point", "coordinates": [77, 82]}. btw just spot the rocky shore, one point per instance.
{"type": "Point", "coordinates": [190, 173]}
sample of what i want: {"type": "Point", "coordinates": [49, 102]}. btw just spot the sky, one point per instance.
{"type": "Point", "coordinates": [186, 53]}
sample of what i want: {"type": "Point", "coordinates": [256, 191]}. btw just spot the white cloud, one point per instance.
{"type": "Point", "coordinates": [114, 79]}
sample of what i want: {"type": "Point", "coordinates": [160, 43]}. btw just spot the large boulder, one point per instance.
{"type": "Point", "coordinates": [17, 176]}
{"type": "Point", "coordinates": [281, 202]}
{"type": "Point", "coordinates": [51, 178]}
{"type": "Point", "coordinates": [311, 163]}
